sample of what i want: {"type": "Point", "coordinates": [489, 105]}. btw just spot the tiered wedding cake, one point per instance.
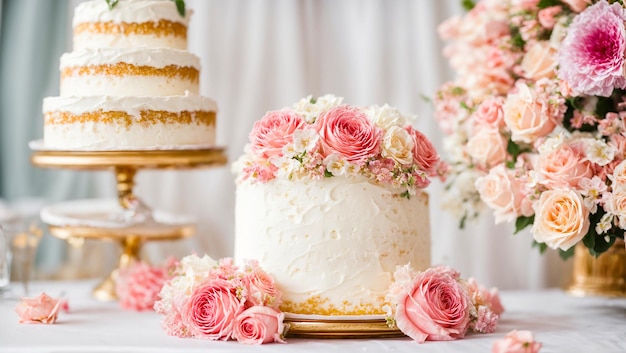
{"type": "Point", "coordinates": [130, 83]}
{"type": "Point", "coordinates": [329, 201]}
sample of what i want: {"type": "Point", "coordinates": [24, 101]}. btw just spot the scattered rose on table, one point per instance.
{"type": "Point", "coordinates": [138, 285]}
{"type": "Point", "coordinates": [42, 309]}
{"type": "Point", "coordinates": [516, 342]}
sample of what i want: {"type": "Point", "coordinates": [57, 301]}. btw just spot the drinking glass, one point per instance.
{"type": "Point", "coordinates": [5, 261]}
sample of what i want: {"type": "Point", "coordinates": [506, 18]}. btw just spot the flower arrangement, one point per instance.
{"type": "Point", "coordinates": [323, 137]}
{"type": "Point", "coordinates": [437, 305]}
{"type": "Point", "coordinates": [217, 300]}
{"type": "Point", "coordinates": [138, 285]}
{"type": "Point", "coordinates": [534, 120]}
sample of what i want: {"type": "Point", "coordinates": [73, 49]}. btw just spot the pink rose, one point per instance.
{"type": "Point", "coordinates": [562, 167]}
{"type": "Point", "coordinates": [42, 309]}
{"type": "Point", "coordinates": [435, 308]}
{"type": "Point", "coordinates": [211, 310]}
{"type": "Point", "coordinates": [490, 113]}
{"type": "Point", "coordinates": [275, 130]}
{"type": "Point", "coordinates": [539, 62]}
{"type": "Point", "coordinates": [260, 286]}
{"type": "Point", "coordinates": [349, 133]}
{"type": "Point", "coordinates": [501, 191]}
{"type": "Point", "coordinates": [516, 342]}
{"type": "Point", "coordinates": [577, 5]}
{"type": "Point", "coordinates": [138, 286]}
{"type": "Point", "coordinates": [487, 147]}
{"type": "Point", "coordinates": [561, 219]}
{"type": "Point", "coordinates": [424, 153]}
{"type": "Point", "coordinates": [526, 117]}
{"type": "Point", "coordinates": [547, 16]}
{"type": "Point", "coordinates": [258, 325]}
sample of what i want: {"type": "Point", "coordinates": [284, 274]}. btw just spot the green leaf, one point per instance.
{"type": "Point", "coordinates": [516, 38]}
{"type": "Point", "coordinates": [548, 3]}
{"type": "Point", "coordinates": [522, 222]}
{"type": "Point", "coordinates": [542, 246]}
{"type": "Point", "coordinates": [406, 194]}
{"type": "Point", "coordinates": [112, 3]}
{"type": "Point", "coordinates": [462, 222]}
{"type": "Point", "coordinates": [328, 174]}
{"type": "Point", "coordinates": [566, 254]}
{"type": "Point", "coordinates": [180, 6]}
{"type": "Point", "coordinates": [468, 4]}
{"type": "Point", "coordinates": [425, 98]}
{"type": "Point", "coordinates": [313, 101]}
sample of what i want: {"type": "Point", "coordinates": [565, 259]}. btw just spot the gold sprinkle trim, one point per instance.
{"type": "Point", "coordinates": [317, 305]}
{"type": "Point", "coordinates": [124, 69]}
{"type": "Point", "coordinates": [160, 29]}
{"type": "Point", "coordinates": [147, 118]}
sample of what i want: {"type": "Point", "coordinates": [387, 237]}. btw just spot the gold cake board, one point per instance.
{"type": "Point", "coordinates": [309, 328]}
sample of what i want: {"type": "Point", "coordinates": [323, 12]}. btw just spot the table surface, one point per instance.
{"type": "Point", "coordinates": [561, 322]}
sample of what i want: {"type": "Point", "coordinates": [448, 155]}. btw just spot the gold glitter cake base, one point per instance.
{"type": "Point", "coordinates": [340, 329]}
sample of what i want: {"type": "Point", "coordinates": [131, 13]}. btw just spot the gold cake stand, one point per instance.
{"type": "Point", "coordinates": [314, 328]}
{"type": "Point", "coordinates": [125, 164]}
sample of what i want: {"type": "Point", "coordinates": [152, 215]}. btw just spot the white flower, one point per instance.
{"type": "Point", "coordinates": [552, 143]}
{"type": "Point", "coordinates": [605, 223]}
{"type": "Point", "coordinates": [287, 166]}
{"type": "Point", "coordinates": [599, 152]}
{"type": "Point", "coordinates": [385, 116]}
{"type": "Point", "coordinates": [592, 191]}
{"type": "Point", "coordinates": [336, 165]}
{"type": "Point", "coordinates": [310, 110]}
{"type": "Point", "coordinates": [304, 140]}
{"type": "Point", "coordinates": [398, 145]}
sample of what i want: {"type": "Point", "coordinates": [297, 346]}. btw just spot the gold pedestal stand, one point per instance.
{"type": "Point", "coordinates": [341, 329]}
{"type": "Point", "coordinates": [603, 276]}
{"type": "Point", "coordinates": [126, 164]}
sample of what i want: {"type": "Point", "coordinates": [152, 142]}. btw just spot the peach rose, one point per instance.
{"type": "Point", "coordinates": [562, 167]}
{"type": "Point", "coordinates": [616, 205]}
{"type": "Point", "coordinates": [436, 307]}
{"type": "Point", "coordinates": [501, 192]}
{"type": "Point", "coordinates": [275, 130]}
{"type": "Point", "coordinates": [524, 116]}
{"type": "Point", "coordinates": [42, 309]}
{"type": "Point", "coordinates": [349, 133]}
{"type": "Point", "coordinates": [539, 61]}
{"type": "Point", "coordinates": [490, 113]}
{"type": "Point", "coordinates": [516, 342]}
{"type": "Point", "coordinates": [258, 325]}
{"type": "Point", "coordinates": [619, 176]}
{"type": "Point", "coordinates": [211, 310]}
{"type": "Point", "coordinates": [260, 286]}
{"type": "Point", "coordinates": [561, 219]}
{"type": "Point", "coordinates": [424, 153]}
{"type": "Point", "coordinates": [577, 5]}
{"type": "Point", "coordinates": [487, 147]}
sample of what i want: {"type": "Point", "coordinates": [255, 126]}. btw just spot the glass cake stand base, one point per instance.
{"type": "Point", "coordinates": [308, 328]}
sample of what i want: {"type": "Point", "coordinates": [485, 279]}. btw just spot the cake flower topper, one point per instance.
{"type": "Point", "coordinates": [180, 5]}
{"type": "Point", "coordinates": [323, 137]}
{"type": "Point", "coordinates": [535, 118]}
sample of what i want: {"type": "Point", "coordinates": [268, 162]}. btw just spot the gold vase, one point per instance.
{"type": "Point", "coordinates": [602, 276]}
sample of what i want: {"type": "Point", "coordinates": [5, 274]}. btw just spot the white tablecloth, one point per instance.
{"type": "Point", "coordinates": [562, 323]}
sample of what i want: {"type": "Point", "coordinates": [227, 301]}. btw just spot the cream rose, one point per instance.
{"type": "Point", "coordinates": [524, 116]}
{"type": "Point", "coordinates": [487, 147]}
{"type": "Point", "coordinates": [499, 190]}
{"type": "Point", "coordinates": [385, 116]}
{"type": "Point", "coordinates": [398, 145]}
{"type": "Point", "coordinates": [561, 219]}
{"type": "Point", "coordinates": [539, 61]}
{"type": "Point", "coordinates": [616, 205]}
{"type": "Point", "coordinates": [619, 176]}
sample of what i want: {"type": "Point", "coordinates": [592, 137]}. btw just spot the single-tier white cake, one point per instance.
{"type": "Point", "coordinates": [330, 200]}
{"type": "Point", "coordinates": [130, 83]}
{"type": "Point", "coordinates": [333, 244]}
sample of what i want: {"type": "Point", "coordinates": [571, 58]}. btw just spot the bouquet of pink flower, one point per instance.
{"type": "Point", "coordinates": [535, 118]}
{"type": "Point", "coordinates": [218, 300]}
{"type": "Point", "coordinates": [138, 285]}
{"type": "Point", "coordinates": [437, 305]}
{"type": "Point", "coordinates": [323, 137]}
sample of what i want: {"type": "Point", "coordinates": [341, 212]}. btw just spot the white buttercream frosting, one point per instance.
{"type": "Point", "coordinates": [332, 244]}
{"type": "Point", "coordinates": [154, 57]}
{"type": "Point", "coordinates": [131, 105]}
{"type": "Point", "coordinates": [129, 11]}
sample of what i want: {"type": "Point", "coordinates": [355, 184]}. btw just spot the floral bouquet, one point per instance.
{"type": "Point", "coordinates": [534, 120]}
{"type": "Point", "coordinates": [217, 300]}
{"type": "Point", "coordinates": [323, 137]}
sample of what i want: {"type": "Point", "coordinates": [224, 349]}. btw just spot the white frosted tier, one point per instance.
{"type": "Point", "coordinates": [128, 12]}
{"type": "Point", "coordinates": [332, 245]}
{"type": "Point", "coordinates": [146, 72]}
{"type": "Point", "coordinates": [102, 123]}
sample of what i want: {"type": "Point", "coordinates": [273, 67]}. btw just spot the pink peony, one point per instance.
{"type": "Point", "coordinates": [516, 342]}
{"type": "Point", "coordinates": [42, 309]}
{"type": "Point", "coordinates": [424, 153]}
{"type": "Point", "coordinates": [138, 286]}
{"type": "Point", "coordinates": [349, 133]}
{"type": "Point", "coordinates": [211, 310]}
{"type": "Point", "coordinates": [258, 325]}
{"type": "Point", "coordinates": [275, 130]}
{"type": "Point", "coordinates": [591, 58]}
{"type": "Point", "coordinates": [260, 286]}
{"type": "Point", "coordinates": [436, 307]}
